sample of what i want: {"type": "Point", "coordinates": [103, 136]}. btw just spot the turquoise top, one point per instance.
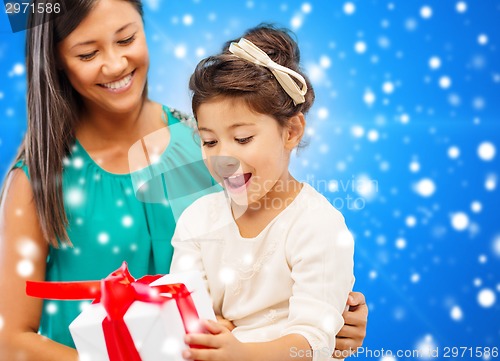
{"type": "Point", "coordinates": [122, 217]}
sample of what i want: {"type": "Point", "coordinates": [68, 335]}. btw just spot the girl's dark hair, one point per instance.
{"type": "Point", "coordinates": [53, 108]}
{"type": "Point", "coordinates": [225, 75]}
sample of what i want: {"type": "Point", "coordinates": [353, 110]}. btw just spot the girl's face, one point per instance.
{"type": "Point", "coordinates": [246, 152]}
{"type": "Point", "coordinates": [106, 58]}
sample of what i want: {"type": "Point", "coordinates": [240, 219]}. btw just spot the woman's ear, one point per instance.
{"type": "Point", "coordinates": [294, 131]}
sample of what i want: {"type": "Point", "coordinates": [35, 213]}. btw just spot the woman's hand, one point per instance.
{"type": "Point", "coordinates": [221, 345]}
{"type": "Point", "coordinates": [226, 323]}
{"type": "Point", "coordinates": [352, 335]}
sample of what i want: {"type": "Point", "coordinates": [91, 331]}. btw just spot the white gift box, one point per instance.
{"type": "Point", "coordinates": [156, 329]}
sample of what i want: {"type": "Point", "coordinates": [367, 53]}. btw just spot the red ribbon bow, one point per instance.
{"type": "Point", "coordinates": [116, 293]}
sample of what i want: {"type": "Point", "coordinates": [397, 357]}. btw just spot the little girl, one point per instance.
{"type": "Point", "coordinates": [276, 256]}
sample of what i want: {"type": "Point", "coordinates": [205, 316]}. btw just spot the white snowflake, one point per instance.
{"type": "Point", "coordinates": [227, 275]}
{"type": "Point", "coordinates": [387, 357]}
{"type": "Point", "coordinates": [360, 47]}
{"type": "Point", "coordinates": [51, 308]}
{"type": "Point", "coordinates": [453, 152]}
{"type": "Point", "coordinates": [372, 135]}
{"type": "Point", "coordinates": [459, 221]}
{"type": "Point", "coordinates": [333, 186]}
{"type": "Point", "coordinates": [425, 187]}
{"type": "Point", "coordinates": [75, 197]}
{"type": "Point", "coordinates": [478, 103]}
{"type": "Point", "coordinates": [445, 82]}
{"type": "Point", "coordinates": [425, 347]}
{"type": "Point", "coordinates": [414, 166]}
{"type": "Point", "coordinates": [476, 206]}
{"type": "Point", "coordinates": [25, 268]}
{"type": "Point", "coordinates": [18, 69]}
{"type": "Point", "coordinates": [349, 8]}
{"type": "Point", "coordinates": [411, 24]}
{"type": "Point", "coordinates": [78, 162]}
{"type": "Point", "coordinates": [384, 42]}
{"type": "Point", "coordinates": [486, 151]}
{"type": "Point", "coordinates": [369, 97]}
{"type": "Point", "coordinates": [127, 221]}
{"type": "Point", "coordinates": [461, 7]}
{"type": "Point", "coordinates": [482, 39]}
{"type": "Point", "coordinates": [404, 118]}
{"type": "Point", "coordinates": [103, 237]}
{"type": "Point", "coordinates": [491, 182]}
{"type": "Point", "coordinates": [486, 298]}
{"type": "Point", "coordinates": [388, 87]}
{"type": "Point", "coordinates": [27, 248]}
{"type": "Point", "coordinates": [357, 131]}
{"type": "Point", "coordinates": [400, 243]}
{"type": "Point", "coordinates": [434, 62]}
{"type": "Point", "coordinates": [366, 187]}
{"type": "Point", "coordinates": [200, 52]}
{"type": "Point", "coordinates": [306, 8]}
{"type": "Point", "coordinates": [322, 113]}
{"type": "Point", "coordinates": [411, 221]}
{"type": "Point", "coordinates": [296, 21]}
{"type": "Point", "coordinates": [180, 51]}
{"type": "Point", "coordinates": [426, 12]}
{"type": "Point", "coordinates": [187, 19]}
{"type": "Point", "coordinates": [325, 62]}
{"type": "Point", "coordinates": [496, 246]}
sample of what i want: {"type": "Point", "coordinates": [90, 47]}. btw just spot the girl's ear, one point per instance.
{"type": "Point", "coordinates": [294, 131]}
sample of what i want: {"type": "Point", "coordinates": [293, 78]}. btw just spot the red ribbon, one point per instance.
{"type": "Point", "coordinates": [116, 293]}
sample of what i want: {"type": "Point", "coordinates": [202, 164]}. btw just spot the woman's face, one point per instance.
{"type": "Point", "coordinates": [106, 57]}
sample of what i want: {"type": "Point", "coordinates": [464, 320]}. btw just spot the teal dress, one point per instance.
{"type": "Point", "coordinates": [122, 217]}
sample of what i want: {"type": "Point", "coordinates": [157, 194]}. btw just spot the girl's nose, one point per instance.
{"type": "Point", "coordinates": [225, 166]}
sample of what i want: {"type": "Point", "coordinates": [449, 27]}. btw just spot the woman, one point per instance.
{"type": "Point", "coordinates": [71, 209]}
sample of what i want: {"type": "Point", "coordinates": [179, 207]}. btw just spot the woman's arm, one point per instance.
{"type": "Point", "coordinates": [23, 254]}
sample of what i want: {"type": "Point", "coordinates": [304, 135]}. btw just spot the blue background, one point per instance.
{"type": "Point", "coordinates": [407, 156]}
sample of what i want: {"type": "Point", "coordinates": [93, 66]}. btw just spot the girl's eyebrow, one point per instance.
{"type": "Point", "coordinates": [232, 126]}
{"type": "Point", "coordinates": [93, 41]}
{"type": "Point", "coordinates": [235, 125]}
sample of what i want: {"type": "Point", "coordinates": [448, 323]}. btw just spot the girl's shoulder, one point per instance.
{"type": "Point", "coordinates": [206, 214]}
{"type": "Point", "coordinates": [312, 210]}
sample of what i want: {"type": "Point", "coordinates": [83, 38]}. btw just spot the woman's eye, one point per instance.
{"type": "Point", "coordinates": [244, 140]}
{"type": "Point", "coordinates": [209, 143]}
{"type": "Point", "coordinates": [88, 56]}
{"type": "Point", "coordinates": [127, 40]}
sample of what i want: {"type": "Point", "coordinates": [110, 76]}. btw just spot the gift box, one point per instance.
{"type": "Point", "coordinates": [133, 320]}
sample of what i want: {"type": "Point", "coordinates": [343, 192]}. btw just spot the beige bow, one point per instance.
{"type": "Point", "coordinates": [249, 51]}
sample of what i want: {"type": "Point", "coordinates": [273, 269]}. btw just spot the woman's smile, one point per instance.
{"type": "Point", "coordinates": [121, 85]}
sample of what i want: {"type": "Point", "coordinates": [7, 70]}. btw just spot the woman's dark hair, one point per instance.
{"type": "Point", "coordinates": [53, 108]}
{"type": "Point", "coordinates": [226, 75]}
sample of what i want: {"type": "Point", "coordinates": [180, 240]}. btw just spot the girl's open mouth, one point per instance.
{"type": "Point", "coordinates": [238, 181]}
